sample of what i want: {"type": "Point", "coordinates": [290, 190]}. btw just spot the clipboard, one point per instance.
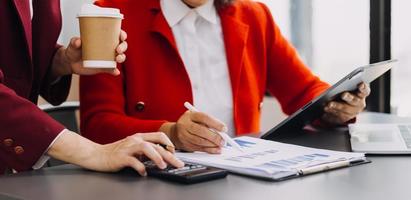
{"type": "Point", "coordinates": [275, 161]}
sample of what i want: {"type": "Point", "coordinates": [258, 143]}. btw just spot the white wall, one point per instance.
{"type": "Point", "coordinates": [69, 10]}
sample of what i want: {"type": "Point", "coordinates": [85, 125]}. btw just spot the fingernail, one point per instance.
{"type": "Point", "coordinates": [225, 129]}
{"type": "Point", "coordinates": [163, 165]}
{"type": "Point", "coordinates": [331, 105]}
{"type": "Point", "coordinates": [362, 87]}
{"type": "Point", "coordinates": [144, 174]}
{"type": "Point", "coordinates": [347, 97]}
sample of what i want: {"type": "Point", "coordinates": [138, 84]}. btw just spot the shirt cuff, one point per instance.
{"type": "Point", "coordinates": [44, 158]}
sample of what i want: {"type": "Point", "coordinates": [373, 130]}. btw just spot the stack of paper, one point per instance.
{"type": "Point", "coordinates": [273, 160]}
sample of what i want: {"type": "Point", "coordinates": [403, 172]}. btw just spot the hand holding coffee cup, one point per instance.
{"type": "Point", "coordinates": [102, 43]}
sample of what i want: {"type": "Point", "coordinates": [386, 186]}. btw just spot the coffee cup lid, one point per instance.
{"type": "Point", "coordinates": [90, 10]}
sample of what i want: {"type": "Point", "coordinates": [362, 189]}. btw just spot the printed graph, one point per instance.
{"type": "Point", "coordinates": [252, 156]}
{"type": "Point", "coordinates": [243, 144]}
{"type": "Point", "coordinates": [291, 162]}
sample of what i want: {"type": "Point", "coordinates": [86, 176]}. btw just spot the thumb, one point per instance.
{"type": "Point", "coordinates": [75, 43]}
{"type": "Point", "coordinates": [73, 51]}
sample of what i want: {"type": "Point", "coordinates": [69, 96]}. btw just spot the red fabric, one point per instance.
{"type": "Point", "coordinates": [26, 51]}
{"type": "Point", "coordinates": [259, 60]}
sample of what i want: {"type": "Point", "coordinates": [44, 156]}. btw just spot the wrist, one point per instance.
{"type": "Point", "coordinates": [73, 148]}
{"type": "Point", "coordinates": [169, 128]}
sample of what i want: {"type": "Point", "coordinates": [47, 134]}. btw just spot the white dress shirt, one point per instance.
{"type": "Point", "coordinates": [31, 8]}
{"type": "Point", "coordinates": [199, 37]}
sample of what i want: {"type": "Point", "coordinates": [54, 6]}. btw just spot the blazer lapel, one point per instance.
{"type": "Point", "coordinates": [23, 9]}
{"type": "Point", "coordinates": [235, 37]}
{"type": "Point", "coordinates": [160, 25]}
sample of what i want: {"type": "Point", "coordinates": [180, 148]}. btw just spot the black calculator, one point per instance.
{"type": "Point", "coordinates": [190, 173]}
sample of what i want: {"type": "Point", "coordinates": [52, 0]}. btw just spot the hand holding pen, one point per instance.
{"type": "Point", "coordinates": [223, 134]}
{"type": "Point", "coordinates": [193, 132]}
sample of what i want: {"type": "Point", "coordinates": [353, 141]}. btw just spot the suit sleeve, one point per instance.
{"type": "Point", "coordinates": [103, 110]}
{"type": "Point", "coordinates": [55, 91]}
{"type": "Point", "coordinates": [24, 125]}
{"type": "Point", "coordinates": [288, 78]}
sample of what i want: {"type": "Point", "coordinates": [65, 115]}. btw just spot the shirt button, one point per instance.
{"type": "Point", "coordinates": [18, 150]}
{"type": "Point", "coordinates": [8, 142]}
{"type": "Point", "coordinates": [140, 106]}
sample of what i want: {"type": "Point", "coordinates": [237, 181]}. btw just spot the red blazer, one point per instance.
{"type": "Point", "coordinates": [26, 51]}
{"type": "Point", "coordinates": [154, 83]}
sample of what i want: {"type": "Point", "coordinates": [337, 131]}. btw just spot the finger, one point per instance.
{"type": "Point", "coordinates": [364, 90]}
{"type": "Point", "coordinates": [123, 35]}
{"type": "Point", "coordinates": [342, 117]}
{"type": "Point", "coordinates": [122, 47]}
{"type": "Point", "coordinates": [120, 58]}
{"type": "Point", "coordinates": [73, 51]}
{"type": "Point", "coordinates": [192, 147]}
{"type": "Point", "coordinates": [136, 165]}
{"type": "Point", "coordinates": [213, 139]}
{"type": "Point", "coordinates": [339, 116]}
{"type": "Point", "coordinates": [75, 42]}
{"type": "Point", "coordinates": [211, 150]}
{"type": "Point", "coordinates": [156, 137]}
{"type": "Point", "coordinates": [198, 140]}
{"type": "Point", "coordinates": [345, 108]}
{"type": "Point", "coordinates": [332, 119]}
{"type": "Point", "coordinates": [115, 72]}
{"type": "Point", "coordinates": [208, 121]}
{"type": "Point", "coordinates": [352, 99]}
{"type": "Point", "coordinates": [169, 157]}
{"type": "Point", "coordinates": [147, 149]}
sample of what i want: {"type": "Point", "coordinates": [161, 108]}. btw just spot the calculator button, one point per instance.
{"type": "Point", "coordinates": [184, 168]}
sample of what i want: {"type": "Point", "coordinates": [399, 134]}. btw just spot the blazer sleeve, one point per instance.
{"type": "Point", "coordinates": [55, 91]}
{"type": "Point", "coordinates": [25, 126]}
{"type": "Point", "coordinates": [288, 78]}
{"type": "Point", "coordinates": [103, 110]}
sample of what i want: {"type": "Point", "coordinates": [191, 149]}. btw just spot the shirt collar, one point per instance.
{"type": "Point", "coordinates": [208, 12]}
{"type": "Point", "coordinates": [175, 10]}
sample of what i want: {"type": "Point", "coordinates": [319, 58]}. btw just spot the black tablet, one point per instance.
{"type": "Point", "coordinates": [314, 109]}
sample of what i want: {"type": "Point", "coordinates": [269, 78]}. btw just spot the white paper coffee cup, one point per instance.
{"type": "Point", "coordinates": [100, 35]}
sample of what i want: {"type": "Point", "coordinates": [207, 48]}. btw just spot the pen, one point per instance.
{"type": "Point", "coordinates": [225, 137]}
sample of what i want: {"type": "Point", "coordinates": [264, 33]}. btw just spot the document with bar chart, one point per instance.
{"type": "Point", "coordinates": [273, 160]}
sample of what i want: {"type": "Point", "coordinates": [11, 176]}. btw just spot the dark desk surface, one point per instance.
{"type": "Point", "coordinates": [387, 177]}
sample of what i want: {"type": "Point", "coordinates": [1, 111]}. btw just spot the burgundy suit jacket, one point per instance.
{"type": "Point", "coordinates": [26, 51]}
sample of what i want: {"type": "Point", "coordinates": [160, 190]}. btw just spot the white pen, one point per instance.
{"type": "Point", "coordinates": [225, 137]}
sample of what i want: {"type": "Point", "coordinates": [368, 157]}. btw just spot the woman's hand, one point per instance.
{"type": "Point", "coordinates": [191, 132]}
{"type": "Point", "coordinates": [338, 113]}
{"type": "Point", "coordinates": [73, 148]}
{"type": "Point", "coordinates": [70, 61]}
